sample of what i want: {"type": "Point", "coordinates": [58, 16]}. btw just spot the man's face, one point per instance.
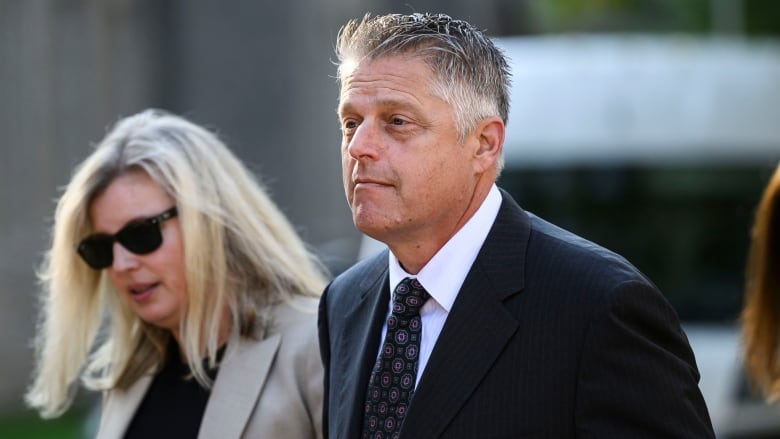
{"type": "Point", "coordinates": [406, 175]}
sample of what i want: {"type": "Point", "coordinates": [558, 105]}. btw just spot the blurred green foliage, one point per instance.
{"type": "Point", "coordinates": [762, 17]}
{"type": "Point", "coordinates": [748, 17]}
{"type": "Point", "coordinates": [28, 425]}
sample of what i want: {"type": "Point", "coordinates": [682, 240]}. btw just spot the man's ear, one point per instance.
{"type": "Point", "coordinates": [489, 134]}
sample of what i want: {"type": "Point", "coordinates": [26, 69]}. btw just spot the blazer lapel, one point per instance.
{"type": "Point", "coordinates": [119, 408]}
{"type": "Point", "coordinates": [363, 332]}
{"type": "Point", "coordinates": [477, 329]}
{"type": "Point", "coordinates": [240, 379]}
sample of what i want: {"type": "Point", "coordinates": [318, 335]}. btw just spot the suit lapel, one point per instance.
{"type": "Point", "coordinates": [239, 382]}
{"type": "Point", "coordinates": [120, 407]}
{"type": "Point", "coordinates": [477, 328]}
{"type": "Point", "coordinates": [362, 333]}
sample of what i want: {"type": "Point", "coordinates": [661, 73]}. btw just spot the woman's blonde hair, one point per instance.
{"type": "Point", "coordinates": [240, 253]}
{"type": "Point", "coordinates": [761, 314]}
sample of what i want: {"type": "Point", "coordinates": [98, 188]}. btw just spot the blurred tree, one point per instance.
{"type": "Point", "coordinates": [751, 17]}
{"type": "Point", "coordinates": [623, 15]}
{"type": "Point", "coordinates": [762, 17]}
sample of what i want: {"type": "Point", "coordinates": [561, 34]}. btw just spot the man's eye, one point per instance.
{"type": "Point", "coordinates": [398, 121]}
{"type": "Point", "coordinates": [350, 124]}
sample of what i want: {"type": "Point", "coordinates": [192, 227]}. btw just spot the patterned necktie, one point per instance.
{"type": "Point", "coordinates": [392, 381]}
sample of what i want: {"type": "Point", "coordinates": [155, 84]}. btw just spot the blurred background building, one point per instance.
{"type": "Point", "coordinates": [261, 74]}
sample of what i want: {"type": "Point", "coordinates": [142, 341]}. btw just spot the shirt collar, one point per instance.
{"type": "Point", "coordinates": [444, 274]}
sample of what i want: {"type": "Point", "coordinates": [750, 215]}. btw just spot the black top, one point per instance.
{"type": "Point", "coordinates": [174, 404]}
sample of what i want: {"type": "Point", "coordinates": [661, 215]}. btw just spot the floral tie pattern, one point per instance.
{"type": "Point", "coordinates": [392, 382]}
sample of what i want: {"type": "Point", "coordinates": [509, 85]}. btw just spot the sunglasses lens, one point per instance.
{"type": "Point", "coordinates": [140, 238]}
{"type": "Point", "coordinates": [97, 251]}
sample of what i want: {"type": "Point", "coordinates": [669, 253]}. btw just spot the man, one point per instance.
{"type": "Point", "coordinates": [500, 325]}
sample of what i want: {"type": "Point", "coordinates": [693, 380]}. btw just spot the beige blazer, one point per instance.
{"type": "Point", "coordinates": [264, 389]}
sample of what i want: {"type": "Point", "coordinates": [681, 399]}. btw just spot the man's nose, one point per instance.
{"type": "Point", "coordinates": [365, 141]}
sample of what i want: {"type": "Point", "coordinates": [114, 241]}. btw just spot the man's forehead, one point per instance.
{"type": "Point", "coordinates": [387, 70]}
{"type": "Point", "coordinates": [349, 65]}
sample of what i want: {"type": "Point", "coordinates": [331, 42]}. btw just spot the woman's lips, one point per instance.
{"type": "Point", "coordinates": [143, 291]}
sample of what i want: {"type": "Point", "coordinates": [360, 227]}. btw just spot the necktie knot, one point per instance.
{"type": "Point", "coordinates": [409, 297]}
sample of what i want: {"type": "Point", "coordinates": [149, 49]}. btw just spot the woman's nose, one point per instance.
{"type": "Point", "coordinates": [124, 259]}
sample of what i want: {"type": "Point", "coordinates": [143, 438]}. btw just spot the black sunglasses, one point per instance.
{"type": "Point", "coordinates": [139, 236]}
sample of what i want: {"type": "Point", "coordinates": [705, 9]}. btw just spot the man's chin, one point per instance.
{"type": "Point", "coordinates": [370, 227]}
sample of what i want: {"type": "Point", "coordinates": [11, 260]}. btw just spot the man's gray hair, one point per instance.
{"type": "Point", "coordinates": [470, 72]}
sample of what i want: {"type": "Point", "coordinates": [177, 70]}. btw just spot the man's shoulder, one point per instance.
{"type": "Point", "coordinates": [576, 257]}
{"type": "Point", "coordinates": [545, 242]}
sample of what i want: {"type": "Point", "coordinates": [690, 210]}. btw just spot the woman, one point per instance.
{"type": "Point", "coordinates": [761, 314]}
{"type": "Point", "coordinates": [175, 285]}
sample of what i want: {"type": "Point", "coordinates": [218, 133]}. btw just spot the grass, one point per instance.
{"type": "Point", "coordinates": [28, 425]}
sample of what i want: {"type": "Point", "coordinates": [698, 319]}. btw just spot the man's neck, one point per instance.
{"type": "Point", "coordinates": [414, 254]}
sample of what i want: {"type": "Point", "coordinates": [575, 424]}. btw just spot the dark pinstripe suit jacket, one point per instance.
{"type": "Point", "coordinates": [550, 336]}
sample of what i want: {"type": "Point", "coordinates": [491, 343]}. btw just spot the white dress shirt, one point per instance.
{"type": "Point", "coordinates": [444, 274]}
